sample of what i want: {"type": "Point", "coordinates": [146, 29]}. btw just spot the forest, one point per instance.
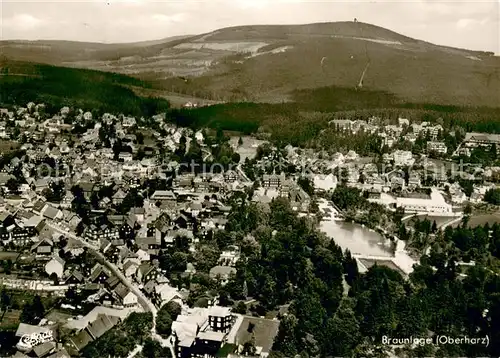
{"type": "Point", "coordinates": [56, 87]}
{"type": "Point", "coordinates": [299, 266]}
{"type": "Point", "coordinates": [298, 121]}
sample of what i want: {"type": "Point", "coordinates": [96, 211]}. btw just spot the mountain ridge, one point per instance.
{"type": "Point", "coordinates": [267, 63]}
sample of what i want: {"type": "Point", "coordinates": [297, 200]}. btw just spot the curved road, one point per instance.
{"type": "Point", "coordinates": [143, 300]}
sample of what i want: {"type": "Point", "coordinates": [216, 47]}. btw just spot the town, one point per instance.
{"type": "Point", "coordinates": [108, 222]}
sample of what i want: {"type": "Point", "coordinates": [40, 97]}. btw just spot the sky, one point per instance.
{"type": "Point", "coordinates": [466, 24]}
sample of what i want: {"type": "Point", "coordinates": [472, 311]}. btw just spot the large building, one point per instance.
{"type": "Point", "coordinates": [474, 139]}
{"type": "Point", "coordinates": [403, 157]}
{"type": "Point", "coordinates": [433, 205]}
{"type": "Point", "coordinates": [438, 147]}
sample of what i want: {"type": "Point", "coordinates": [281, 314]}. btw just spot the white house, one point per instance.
{"type": "Point", "coordinates": [167, 293]}
{"type": "Point", "coordinates": [127, 297]}
{"type": "Point", "coordinates": [403, 157]}
{"type": "Point", "coordinates": [403, 121]}
{"type": "Point", "coordinates": [142, 255]}
{"type": "Point", "coordinates": [325, 182]}
{"type": "Point", "coordinates": [438, 147]}
{"type": "Point", "coordinates": [130, 267]}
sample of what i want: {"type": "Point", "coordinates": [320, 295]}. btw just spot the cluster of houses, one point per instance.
{"type": "Point", "coordinates": [44, 230]}
{"type": "Point", "coordinates": [189, 207]}
{"type": "Point", "coordinates": [392, 133]}
{"type": "Point", "coordinates": [202, 332]}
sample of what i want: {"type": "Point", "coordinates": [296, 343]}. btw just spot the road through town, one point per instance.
{"type": "Point", "coordinates": [147, 305]}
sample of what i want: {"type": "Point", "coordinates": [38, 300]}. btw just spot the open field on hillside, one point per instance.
{"type": "Point", "coordinates": [483, 219]}
{"type": "Point", "coordinates": [269, 63]}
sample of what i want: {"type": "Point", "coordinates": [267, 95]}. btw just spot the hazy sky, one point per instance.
{"type": "Point", "coordinates": [467, 24]}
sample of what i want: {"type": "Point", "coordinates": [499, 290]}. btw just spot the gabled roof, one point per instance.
{"type": "Point", "coordinates": [62, 353]}
{"type": "Point", "coordinates": [50, 212]}
{"type": "Point", "coordinates": [120, 194]}
{"type": "Point", "coordinates": [25, 328]}
{"type": "Point", "coordinates": [221, 270]}
{"type": "Point", "coordinates": [38, 206]}
{"type": "Point", "coordinates": [81, 339]}
{"type": "Point", "coordinates": [145, 268]}
{"type": "Point", "coordinates": [104, 244]}
{"type": "Point", "coordinates": [76, 274]}
{"type": "Point", "coordinates": [122, 291]}
{"type": "Point", "coordinates": [96, 271]}
{"type": "Point", "coordinates": [43, 349]}
{"type": "Point", "coordinates": [101, 325]}
{"type": "Point", "coordinates": [43, 241]}
{"type": "Point", "coordinates": [113, 281]}
{"type": "Point", "coordinates": [130, 263]}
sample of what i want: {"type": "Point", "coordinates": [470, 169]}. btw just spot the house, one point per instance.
{"type": "Point", "coordinates": [220, 318]}
{"type": "Point", "coordinates": [163, 196]}
{"type": "Point", "coordinates": [73, 221]}
{"type": "Point", "coordinates": [102, 229]}
{"type": "Point", "coordinates": [55, 266]}
{"type": "Point", "coordinates": [130, 267]}
{"type": "Point", "coordinates": [38, 207]}
{"type": "Point", "coordinates": [325, 183]}
{"type": "Point", "coordinates": [182, 221]}
{"type": "Point", "coordinates": [118, 197]}
{"type": "Point", "coordinates": [43, 247]}
{"type": "Point", "coordinates": [165, 293]}
{"type": "Point", "coordinates": [403, 122]}
{"type": "Point", "coordinates": [99, 274]}
{"type": "Point", "coordinates": [342, 124]}
{"type": "Point", "coordinates": [51, 213]}
{"type": "Point", "coordinates": [273, 180]}
{"type": "Point", "coordinates": [125, 156]}
{"type": "Point", "coordinates": [230, 255]}
{"type": "Point", "coordinates": [94, 330]}
{"type": "Point", "coordinates": [185, 328]}
{"type": "Point", "coordinates": [299, 199]}
{"type": "Point", "coordinates": [414, 180]}
{"type": "Point", "coordinates": [433, 131]}
{"type": "Point", "coordinates": [42, 350]}
{"type": "Point", "coordinates": [474, 139]}
{"type": "Point", "coordinates": [201, 332]}
{"type": "Point", "coordinates": [142, 256]}
{"type": "Point", "coordinates": [127, 297]}
{"type": "Point", "coordinates": [147, 272]}
{"type": "Point", "coordinates": [75, 277]}
{"type": "Point", "coordinates": [67, 200]}
{"type": "Point", "coordinates": [138, 214]}
{"type": "Point", "coordinates": [151, 245]}
{"type": "Point", "coordinates": [433, 205]}
{"type": "Point", "coordinates": [41, 184]}
{"type": "Point", "coordinates": [403, 158]}
{"type": "Point", "coordinates": [437, 147]}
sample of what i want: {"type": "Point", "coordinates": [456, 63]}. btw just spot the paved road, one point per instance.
{"type": "Point", "coordinates": [143, 300]}
{"type": "Point", "coordinates": [454, 221]}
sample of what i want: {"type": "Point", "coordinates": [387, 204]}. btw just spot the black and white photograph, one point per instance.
{"type": "Point", "coordinates": [249, 178]}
